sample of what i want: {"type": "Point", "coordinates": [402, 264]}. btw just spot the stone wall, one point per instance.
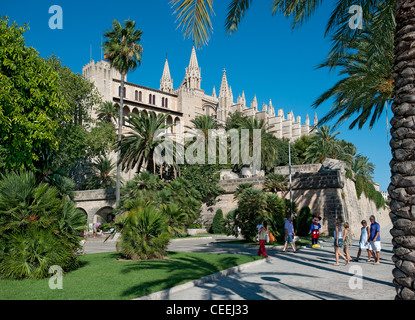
{"type": "Point", "coordinates": [323, 188]}
{"type": "Point", "coordinates": [97, 204]}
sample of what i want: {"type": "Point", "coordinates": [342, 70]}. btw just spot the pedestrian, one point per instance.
{"type": "Point", "coordinates": [364, 236]}
{"type": "Point", "coordinates": [347, 242]}
{"type": "Point", "coordinates": [96, 228]}
{"type": "Point", "coordinates": [259, 226]}
{"type": "Point", "coordinates": [338, 243]}
{"type": "Point", "coordinates": [263, 233]}
{"type": "Point", "coordinates": [289, 234]}
{"type": "Point", "coordinates": [374, 239]}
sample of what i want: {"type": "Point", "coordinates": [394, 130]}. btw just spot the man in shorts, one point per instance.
{"type": "Point", "coordinates": [289, 234]}
{"type": "Point", "coordinates": [374, 240]}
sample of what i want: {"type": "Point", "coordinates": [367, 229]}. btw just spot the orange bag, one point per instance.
{"type": "Point", "coordinates": [271, 237]}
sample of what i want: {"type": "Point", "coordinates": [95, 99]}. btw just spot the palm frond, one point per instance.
{"type": "Point", "coordinates": [236, 11]}
{"type": "Point", "coordinates": [194, 17]}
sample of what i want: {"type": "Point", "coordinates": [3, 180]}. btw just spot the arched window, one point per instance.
{"type": "Point", "coordinates": [166, 102]}
{"type": "Point", "coordinates": [119, 91]}
{"type": "Point", "coordinates": [149, 98]}
{"type": "Point", "coordinates": [136, 95]}
{"type": "Point", "coordinates": [162, 102]}
{"type": "Point", "coordinates": [140, 96]}
{"type": "Point", "coordinates": [154, 99]}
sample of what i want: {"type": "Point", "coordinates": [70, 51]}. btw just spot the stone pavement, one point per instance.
{"type": "Point", "coordinates": [308, 274]}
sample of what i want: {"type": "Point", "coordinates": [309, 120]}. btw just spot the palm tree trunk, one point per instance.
{"type": "Point", "coordinates": [402, 186]}
{"type": "Point", "coordinates": [120, 124]}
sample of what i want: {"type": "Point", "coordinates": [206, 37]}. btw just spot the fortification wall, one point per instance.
{"type": "Point", "coordinates": [323, 188]}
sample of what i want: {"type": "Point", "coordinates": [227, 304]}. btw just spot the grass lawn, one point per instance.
{"type": "Point", "coordinates": [102, 277]}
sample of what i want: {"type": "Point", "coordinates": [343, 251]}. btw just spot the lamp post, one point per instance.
{"type": "Point", "coordinates": [291, 187]}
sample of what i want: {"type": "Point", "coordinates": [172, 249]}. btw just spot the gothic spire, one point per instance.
{"type": "Point", "coordinates": [214, 92]}
{"type": "Point", "coordinates": [193, 64]}
{"type": "Point", "coordinates": [166, 82]}
{"type": "Point", "coordinates": [193, 77]}
{"type": "Point", "coordinates": [224, 86]}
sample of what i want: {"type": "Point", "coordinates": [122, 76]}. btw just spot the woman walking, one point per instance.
{"type": "Point", "coordinates": [347, 243]}
{"type": "Point", "coordinates": [263, 233]}
{"type": "Point", "coordinates": [364, 236]}
{"type": "Point", "coordinates": [338, 243]}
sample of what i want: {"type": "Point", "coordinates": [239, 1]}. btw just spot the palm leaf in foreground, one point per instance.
{"type": "Point", "coordinates": [194, 18]}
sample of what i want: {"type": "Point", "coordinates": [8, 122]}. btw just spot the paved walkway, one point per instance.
{"type": "Point", "coordinates": [306, 275]}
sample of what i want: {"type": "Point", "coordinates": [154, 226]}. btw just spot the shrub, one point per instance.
{"type": "Point", "coordinates": [230, 223]}
{"type": "Point", "coordinates": [218, 223]}
{"type": "Point", "coordinates": [251, 211]}
{"type": "Point", "coordinates": [367, 187]}
{"type": "Point", "coordinates": [37, 228]}
{"type": "Point", "coordinates": [303, 221]}
{"type": "Point", "coordinates": [275, 208]}
{"type": "Point", "coordinates": [254, 207]}
{"type": "Point", "coordinates": [31, 252]}
{"type": "Point", "coordinates": [144, 234]}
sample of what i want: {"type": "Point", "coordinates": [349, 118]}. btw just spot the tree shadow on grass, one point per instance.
{"type": "Point", "coordinates": [175, 270]}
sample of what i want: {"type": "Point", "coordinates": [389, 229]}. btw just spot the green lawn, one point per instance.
{"type": "Point", "coordinates": [102, 277]}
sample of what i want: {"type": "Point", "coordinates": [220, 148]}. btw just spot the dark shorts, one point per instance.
{"type": "Point", "coordinates": [340, 243]}
{"type": "Point", "coordinates": [289, 238]}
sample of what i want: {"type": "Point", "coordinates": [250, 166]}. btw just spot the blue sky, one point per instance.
{"type": "Point", "coordinates": [264, 58]}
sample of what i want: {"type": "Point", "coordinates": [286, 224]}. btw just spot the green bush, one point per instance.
{"type": "Point", "coordinates": [367, 187]}
{"type": "Point", "coordinates": [31, 252]}
{"type": "Point", "coordinates": [218, 223]}
{"type": "Point", "coordinates": [251, 211]}
{"type": "Point", "coordinates": [38, 229]}
{"type": "Point", "coordinates": [144, 233]}
{"type": "Point", "coordinates": [275, 215]}
{"type": "Point", "coordinates": [254, 207]}
{"type": "Point", "coordinates": [303, 221]}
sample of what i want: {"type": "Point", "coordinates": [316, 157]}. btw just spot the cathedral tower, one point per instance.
{"type": "Point", "coordinates": [193, 77]}
{"type": "Point", "coordinates": [166, 82]}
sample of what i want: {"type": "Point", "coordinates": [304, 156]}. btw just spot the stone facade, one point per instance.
{"type": "Point", "coordinates": [323, 188]}
{"type": "Point", "coordinates": [189, 100]}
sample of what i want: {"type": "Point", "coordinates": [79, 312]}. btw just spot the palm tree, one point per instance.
{"type": "Point", "coordinates": [401, 189]}
{"type": "Point", "coordinates": [107, 112]}
{"type": "Point", "coordinates": [325, 145]}
{"type": "Point", "coordinates": [269, 143]}
{"type": "Point", "coordinates": [366, 60]}
{"type": "Point", "coordinates": [275, 182]}
{"type": "Point", "coordinates": [137, 146]}
{"type": "Point", "coordinates": [103, 176]}
{"type": "Point", "coordinates": [362, 166]}
{"type": "Point", "coordinates": [124, 54]}
{"type": "Point", "coordinates": [203, 123]}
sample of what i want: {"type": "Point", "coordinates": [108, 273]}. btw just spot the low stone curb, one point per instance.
{"type": "Point", "coordinates": [165, 293]}
{"type": "Point", "coordinates": [186, 239]}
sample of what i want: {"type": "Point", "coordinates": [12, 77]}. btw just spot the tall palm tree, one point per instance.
{"type": "Point", "coordinates": [366, 60]}
{"type": "Point", "coordinates": [107, 112]}
{"type": "Point", "coordinates": [102, 173]}
{"type": "Point", "coordinates": [362, 166]}
{"type": "Point", "coordinates": [137, 146]}
{"type": "Point", "coordinates": [401, 189]}
{"type": "Point", "coordinates": [324, 144]}
{"type": "Point", "coordinates": [124, 54]}
{"type": "Point", "coordinates": [269, 143]}
{"type": "Point", "coordinates": [200, 129]}
{"type": "Point", "coordinates": [204, 123]}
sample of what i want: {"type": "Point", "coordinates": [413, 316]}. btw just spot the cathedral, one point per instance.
{"type": "Point", "coordinates": [189, 100]}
